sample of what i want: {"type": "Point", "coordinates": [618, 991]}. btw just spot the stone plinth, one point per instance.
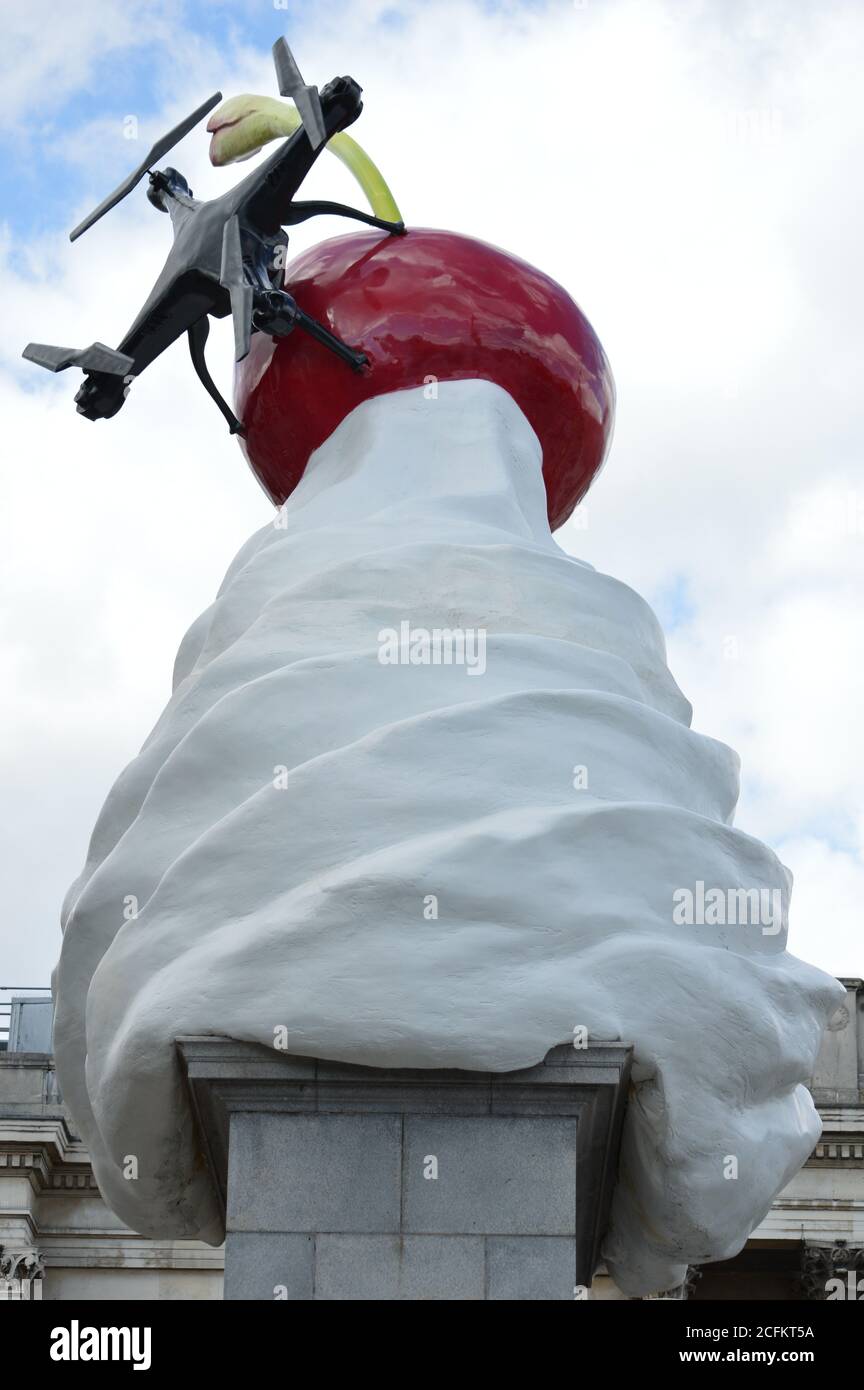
{"type": "Point", "coordinates": [345, 1182]}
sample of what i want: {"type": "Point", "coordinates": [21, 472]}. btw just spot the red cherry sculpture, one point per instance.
{"type": "Point", "coordinates": [430, 304]}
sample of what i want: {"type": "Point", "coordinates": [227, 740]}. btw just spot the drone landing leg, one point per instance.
{"type": "Point", "coordinates": [301, 212]}
{"type": "Point", "coordinates": [316, 330]}
{"type": "Point", "coordinates": [276, 312]}
{"type": "Point", "coordinates": [198, 334]}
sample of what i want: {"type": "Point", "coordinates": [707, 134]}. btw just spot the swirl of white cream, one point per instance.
{"type": "Point", "coordinates": [301, 799]}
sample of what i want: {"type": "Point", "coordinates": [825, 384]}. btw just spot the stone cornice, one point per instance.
{"type": "Point", "coordinates": [45, 1150]}
{"type": "Point", "coordinates": [124, 1248]}
{"type": "Point", "coordinates": [835, 1150]}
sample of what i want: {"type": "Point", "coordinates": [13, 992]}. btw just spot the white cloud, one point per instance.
{"type": "Point", "coordinates": [825, 917]}
{"type": "Point", "coordinates": [46, 57]}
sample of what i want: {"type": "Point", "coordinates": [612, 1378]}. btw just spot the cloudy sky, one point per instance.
{"type": "Point", "coordinates": [688, 169]}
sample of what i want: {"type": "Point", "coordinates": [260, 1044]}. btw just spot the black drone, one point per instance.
{"type": "Point", "coordinates": [226, 256]}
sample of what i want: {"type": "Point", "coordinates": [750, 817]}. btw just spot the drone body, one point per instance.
{"type": "Point", "coordinates": [224, 256]}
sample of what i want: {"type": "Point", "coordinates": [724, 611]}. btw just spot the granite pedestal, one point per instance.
{"type": "Point", "coordinates": [346, 1183]}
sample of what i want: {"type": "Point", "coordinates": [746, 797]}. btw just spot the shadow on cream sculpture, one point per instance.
{"type": "Point", "coordinates": [425, 793]}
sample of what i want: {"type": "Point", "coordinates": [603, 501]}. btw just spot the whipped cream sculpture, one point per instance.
{"type": "Point", "coordinates": [426, 793]}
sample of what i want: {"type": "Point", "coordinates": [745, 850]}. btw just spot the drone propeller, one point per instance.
{"type": "Point", "coordinates": [232, 278]}
{"type": "Point", "coordinates": [159, 150]}
{"type": "Point", "coordinates": [305, 98]}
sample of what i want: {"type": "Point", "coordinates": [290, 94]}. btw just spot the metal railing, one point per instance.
{"type": "Point", "coordinates": [6, 1007]}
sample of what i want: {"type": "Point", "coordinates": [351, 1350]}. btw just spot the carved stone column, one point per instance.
{"type": "Point", "coordinates": [833, 1271]}
{"type": "Point", "coordinates": [21, 1274]}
